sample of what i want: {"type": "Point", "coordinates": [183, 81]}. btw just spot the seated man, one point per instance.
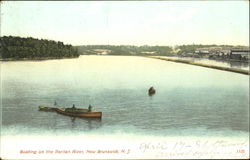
{"type": "Point", "coordinates": [90, 108]}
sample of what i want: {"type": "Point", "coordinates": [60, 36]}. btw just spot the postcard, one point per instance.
{"type": "Point", "coordinates": [124, 80]}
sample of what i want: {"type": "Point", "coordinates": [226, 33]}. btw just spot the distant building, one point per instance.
{"type": "Point", "coordinates": [102, 51]}
{"type": "Point", "coordinates": [239, 53]}
{"type": "Point", "coordinates": [148, 52]}
{"type": "Point", "coordinates": [225, 51]}
{"type": "Point", "coordinates": [202, 50]}
{"type": "Point", "coordinates": [209, 50]}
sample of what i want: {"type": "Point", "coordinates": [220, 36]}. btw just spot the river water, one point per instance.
{"type": "Point", "coordinates": [191, 102]}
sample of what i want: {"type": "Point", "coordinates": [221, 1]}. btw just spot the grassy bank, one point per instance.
{"type": "Point", "coordinates": [236, 70]}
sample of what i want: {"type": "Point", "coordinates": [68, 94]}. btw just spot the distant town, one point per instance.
{"type": "Point", "coordinates": [219, 52]}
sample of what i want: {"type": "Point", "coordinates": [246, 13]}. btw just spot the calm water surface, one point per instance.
{"type": "Point", "coordinates": [190, 100]}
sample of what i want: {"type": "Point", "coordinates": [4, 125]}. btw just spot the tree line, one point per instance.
{"type": "Point", "coordinates": [127, 49]}
{"type": "Point", "coordinates": [31, 48]}
{"type": "Point", "coordinates": [144, 50]}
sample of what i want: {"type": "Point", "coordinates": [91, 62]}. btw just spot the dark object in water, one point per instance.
{"type": "Point", "coordinates": [151, 91]}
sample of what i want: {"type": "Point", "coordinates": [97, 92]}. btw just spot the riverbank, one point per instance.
{"type": "Point", "coordinates": [35, 58]}
{"type": "Point", "coordinates": [236, 70]}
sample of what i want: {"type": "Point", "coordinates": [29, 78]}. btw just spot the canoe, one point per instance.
{"type": "Point", "coordinates": [45, 108]}
{"type": "Point", "coordinates": [74, 112]}
{"type": "Point", "coordinates": [79, 112]}
{"type": "Point", "coordinates": [151, 91]}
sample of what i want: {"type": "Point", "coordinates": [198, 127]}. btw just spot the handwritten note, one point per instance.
{"type": "Point", "coordinates": [196, 149]}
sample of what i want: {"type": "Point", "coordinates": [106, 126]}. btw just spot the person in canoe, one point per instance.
{"type": "Point", "coordinates": [151, 90]}
{"type": "Point", "coordinates": [90, 108]}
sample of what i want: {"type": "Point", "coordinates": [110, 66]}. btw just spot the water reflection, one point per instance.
{"type": "Point", "coordinates": [222, 63]}
{"type": "Point", "coordinates": [73, 122]}
{"type": "Point", "coordinates": [150, 94]}
{"type": "Point", "coordinates": [232, 64]}
{"type": "Point", "coordinates": [93, 123]}
{"type": "Point", "coordinates": [235, 64]}
{"type": "Point", "coordinates": [90, 123]}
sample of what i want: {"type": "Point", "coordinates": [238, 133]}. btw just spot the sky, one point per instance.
{"type": "Point", "coordinates": [129, 22]}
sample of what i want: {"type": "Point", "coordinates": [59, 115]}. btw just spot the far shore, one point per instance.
{"type": "Point", "coordinates": [35, 58]}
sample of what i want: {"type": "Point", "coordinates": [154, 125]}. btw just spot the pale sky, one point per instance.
{"type": "Point", "coordinates": [129, 22]}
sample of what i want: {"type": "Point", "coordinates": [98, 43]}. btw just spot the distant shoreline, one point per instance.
{"type": "Point", "coordinates": [35, 59]}
{"type": "Point", "coordinates": [241, 71]}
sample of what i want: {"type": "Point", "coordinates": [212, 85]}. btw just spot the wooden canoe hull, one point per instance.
{"type": "Point", "coordinates": [45, 108]}
{"type": "Point", "coordinates": [93, 114]}
{"type": "Point", "coordinates": [151, 92]}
